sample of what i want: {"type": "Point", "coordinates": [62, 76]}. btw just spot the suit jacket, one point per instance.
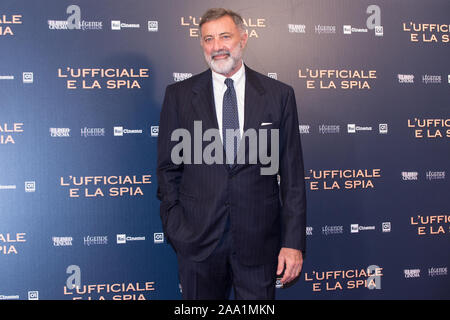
{"type": "Point", "coordinates": [196, 199]}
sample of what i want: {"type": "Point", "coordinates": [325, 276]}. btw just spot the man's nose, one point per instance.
{"type": "Point", "coordinates": [217, 44]}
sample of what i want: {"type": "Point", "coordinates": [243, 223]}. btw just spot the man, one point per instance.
{"type": "Point", "coordinates": [226, 220]}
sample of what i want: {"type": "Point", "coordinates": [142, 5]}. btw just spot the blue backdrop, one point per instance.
{"type": "Point", "coordinates": [81, 87]}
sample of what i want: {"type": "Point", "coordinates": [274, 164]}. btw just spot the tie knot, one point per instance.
{"type": "Point", "coordinates": [229, 83]}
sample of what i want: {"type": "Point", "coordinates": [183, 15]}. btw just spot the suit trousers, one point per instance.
{"type": "Point", "coordinates": [213, 278]}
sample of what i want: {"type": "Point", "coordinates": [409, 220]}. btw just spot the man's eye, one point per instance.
{"type": "Point", "coordinates": [208, 39]}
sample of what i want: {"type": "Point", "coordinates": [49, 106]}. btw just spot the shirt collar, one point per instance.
{"type": "Point", "coordinates": [219, 79]}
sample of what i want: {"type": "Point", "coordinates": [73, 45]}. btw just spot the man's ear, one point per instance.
{"type": "Point", "coordinates": [244, 38]}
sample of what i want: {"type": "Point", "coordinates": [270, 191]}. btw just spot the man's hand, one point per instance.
{"type": "Point", "coordinates": [291, 261]}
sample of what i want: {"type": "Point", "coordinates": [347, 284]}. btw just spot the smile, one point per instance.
{"type": "Point", "coordinates": [220, 56]}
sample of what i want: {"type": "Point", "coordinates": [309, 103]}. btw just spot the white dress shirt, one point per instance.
{"type": "Point", "coordinates": [219, 88]}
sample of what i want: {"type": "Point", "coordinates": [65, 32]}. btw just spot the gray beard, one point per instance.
{"type": "Point", "coordinates": [224, 66]}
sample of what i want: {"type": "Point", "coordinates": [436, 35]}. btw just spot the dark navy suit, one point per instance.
{"type": "Point", "coordinates": [200, 201]}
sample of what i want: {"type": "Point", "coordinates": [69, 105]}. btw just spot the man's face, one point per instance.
{"type": "Point", "coordinates": [223, 44]}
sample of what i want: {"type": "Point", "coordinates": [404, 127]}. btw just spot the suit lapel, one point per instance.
{"type": "Point", "coordinates": [254, 103]}
{"type": "Point", "coordinates": [254, 107]}
{"type": "Point", "coordinates": [204, 105]}
{"type": "Point", "coordinates": [203, 101]}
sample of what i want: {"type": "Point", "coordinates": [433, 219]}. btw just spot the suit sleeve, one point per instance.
{"type": "Point", "coordinates": [168, 173]}
{"type": "Point", "coordinates": [292, 184]}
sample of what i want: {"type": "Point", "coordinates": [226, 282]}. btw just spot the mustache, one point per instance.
{"type": "Point", "coordinates": [220, 52]}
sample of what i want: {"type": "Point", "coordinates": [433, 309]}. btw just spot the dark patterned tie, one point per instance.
{"type": "Point", "coordinates": [230, 120]}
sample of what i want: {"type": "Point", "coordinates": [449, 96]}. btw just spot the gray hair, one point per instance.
{"type": "Point", "coordinates": [217, 13]}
